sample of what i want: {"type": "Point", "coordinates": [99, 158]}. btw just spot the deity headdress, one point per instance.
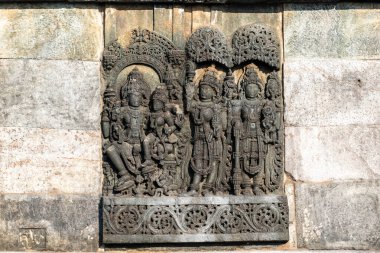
{"type": "Point", "coordinates": [273, 84]}
{"type": "Point", "coordinates": [136, 85]}
{"type": "Point", "coordinates": [161, 94]}
{"type": "Point", "coordinates": [210, 78]}
{"type": "Point", "coordinates": [251, 78]}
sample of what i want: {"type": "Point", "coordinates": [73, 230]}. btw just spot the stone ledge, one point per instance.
{"type": "Point", "coordinates": [195, 219]}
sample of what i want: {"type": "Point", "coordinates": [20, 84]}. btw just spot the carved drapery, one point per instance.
{"type": "Point", "coordinates": [201, 154]}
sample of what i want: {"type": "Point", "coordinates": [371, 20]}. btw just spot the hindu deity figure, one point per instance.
{"type": "Point", "coordinates": [164, 124]}
{"type": "Point", "coordinates": [208, 135]}
{"type": "Point", "coordinates": [160, 145]}
{"type": "Point", "coordinates": [113, 132]}
{"type": "Point", "coordinates": [272, 109]}
{"type": "Point", "coordinates": [271, 124]}
{"type": "Point", "coordinates": [248, 138]}
{"type": "Point", "coordinates": [127, 130]}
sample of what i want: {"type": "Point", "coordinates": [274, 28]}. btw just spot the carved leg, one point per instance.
{"type": "Point", "coordinates": [246, 184]}
{"type": "Point", "coordinates": [258, 183]}
{"type": "Point", "coordinates": [194, 187]}
{"type": "Point", "coordinates": [114, 156]}
{"type": "Point", "coordinates": [147, 151]}
{"type": "Point", "coordinates": [209, 185]}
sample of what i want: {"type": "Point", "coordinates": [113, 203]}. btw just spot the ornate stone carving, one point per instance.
{"type": "Point", "coordinates": [191, 218]}
{"type": "Point", "coordinates": [208, 44]}
{"type": "Point", "coordinates": [255, 42]}
{"type": "Point", "coordinates": [209, 132]}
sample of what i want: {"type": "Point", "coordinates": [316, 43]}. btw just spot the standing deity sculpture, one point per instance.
{"type": "Point", "coordinates": [271, 124]}
{"type": "Point", "coordinates": [161, 145]}
{"type": "Point", "coordinates": [248, 137]}
{"type": "Point", "coordinates": [208, 135]}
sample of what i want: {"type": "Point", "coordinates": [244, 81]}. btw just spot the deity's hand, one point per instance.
{"type": "Point", "coordinates": [179, 120]}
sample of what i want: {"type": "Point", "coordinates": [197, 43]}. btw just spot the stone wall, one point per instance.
{"type": "Point", "coordinates": [50, 140]}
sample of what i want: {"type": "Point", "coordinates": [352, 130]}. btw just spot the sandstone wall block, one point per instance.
{"type": "Point", "coordinates": [334, 153]}
{"type": "Point", "coordinates": [331, 92]}
{"type": "Point", "coordinates": [70, 223]}
{"type": "Point", "coordinates": [50, 161]}
{"type": "Point", "coordinates": [51, 31]}
{"type": "Point", "coordinates": [343, 30]}
{"type": "Point", "coordinates": [338, 215]}
{"type": "Point", "coordinates": [50, 94]}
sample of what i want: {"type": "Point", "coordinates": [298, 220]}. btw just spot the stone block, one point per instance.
{"type": "Point", "coordinates": [121, 20]}
{"type": "Point", "coordinates": [342, 30]}
{"type": "Point", "coordinates": [333, 153]}
{"type": "Point", "coordinates": [56, 223]}
{"type": "Point", "coordinates": [50, 94]}
{"type": "Point", "coordinates": [45, 31]}
{"type": "Point", "coordinates": [229, 18]}
{"type": "Point", "coordinates": [338, 215]}
{"type": "Point", "coordinates": [331, 92]}
{"type": "Point", "coordinates": [50, 161]}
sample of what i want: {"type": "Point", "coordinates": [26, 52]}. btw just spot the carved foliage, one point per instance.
{"type": "Point", "coordinates": [255, 42]}
{"type": "Point", "coordinates": [208, 44]}
{"type": "Point", "coordinates": [196, 219]}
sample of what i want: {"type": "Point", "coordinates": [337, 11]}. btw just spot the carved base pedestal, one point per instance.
{"type": "Point", "coordinates": [195, 219]}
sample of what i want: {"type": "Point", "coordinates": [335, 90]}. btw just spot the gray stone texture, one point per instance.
{"type": "Point", "coordinates": [333, 153]}
{"type": "Point", "coordinates": [71, 222]}
{"type": "Point", "coordinates": [51, 31]}
{"type": "Point", "coordinates": [50, 94]}
{"type": "Point", "coordinates": [331, 92]}
{"type": "Point", "coordinates": [342, 30]}
{"type": "Point", "coordinates": [338, 215]}
{"type": "Point", "coordinates": [50, 161]}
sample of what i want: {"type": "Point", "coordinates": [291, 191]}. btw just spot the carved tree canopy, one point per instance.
{"type": "Point", "coordinates": [255, 42]}
{"type": "Point", "coordinates": [208, 44]}
{"type": "Point", "coordinates": [200, 157]}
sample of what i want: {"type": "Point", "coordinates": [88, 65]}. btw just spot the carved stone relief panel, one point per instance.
{"type": "Point", "coordinates": [195, 155]}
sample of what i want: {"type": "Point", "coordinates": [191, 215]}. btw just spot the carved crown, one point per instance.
{"type": "Point", "coordinates": [210, 78]}
{"type": "Point", "coordinates": [251, 78]}
{"type": "Point", "coordinates": [160, 93]}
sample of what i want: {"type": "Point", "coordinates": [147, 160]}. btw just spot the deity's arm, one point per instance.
{"type": "Point", "coordinates": [105, 124]}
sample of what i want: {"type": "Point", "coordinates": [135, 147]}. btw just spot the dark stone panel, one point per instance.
{"type": "Point", "coordinates": [56, 223]}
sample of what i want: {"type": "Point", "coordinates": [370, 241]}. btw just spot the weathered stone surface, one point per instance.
{"type": "Point", "coordinates": [331, 92]}
{"type": "Point", "coordinates": [332, 30]}
{"type": "Point", "coordinates": [50, 94]}
{"type": "Point", "coordinates": [70, 222]}
{"type": "Point", "coordinates": [338, 215]}
{"type": "Point", "coordinates": [121, 20]}
{"type": "Point", "coordinates": [229, 18]}
{"type": "Point", "coordinates": [50, 161]}
{"type": "Point", "coordinates": [333, 153]}
{"type": "Point", "coordinates": [59, 31]}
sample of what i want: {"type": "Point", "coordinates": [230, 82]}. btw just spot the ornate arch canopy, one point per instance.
{"type": "Point", "coordinates": [147, 48]}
